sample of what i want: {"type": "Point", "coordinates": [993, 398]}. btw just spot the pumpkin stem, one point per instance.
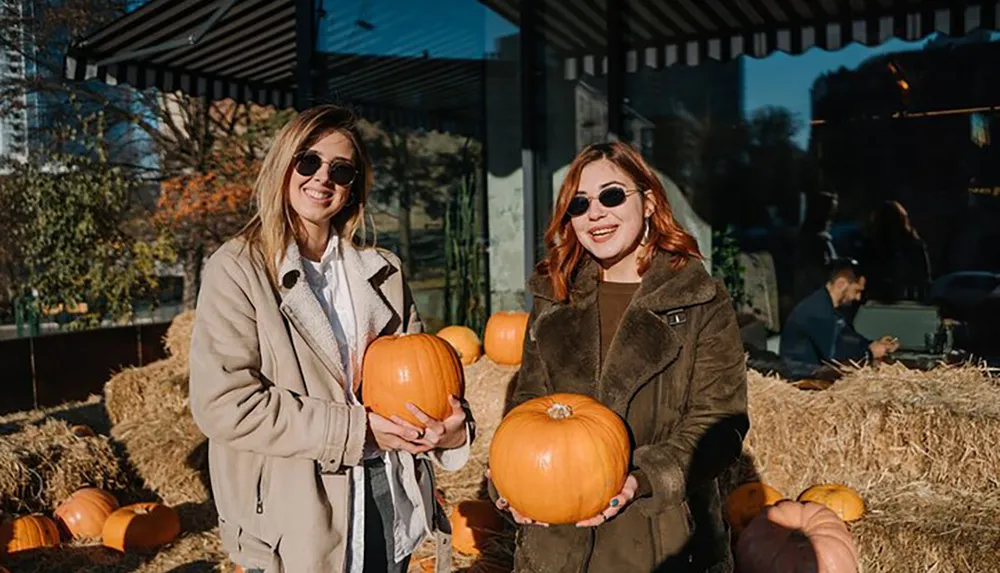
{"type": "Point", "coordinates": [559, 411]}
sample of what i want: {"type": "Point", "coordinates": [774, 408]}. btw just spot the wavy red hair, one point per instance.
{"type": "Point", "coordinates": [564, 249]}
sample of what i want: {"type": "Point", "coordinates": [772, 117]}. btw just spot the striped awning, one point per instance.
{"type": "Point", "coordinates": [663, 33]}
{"type": "Point", "coordinates": [242, 50]}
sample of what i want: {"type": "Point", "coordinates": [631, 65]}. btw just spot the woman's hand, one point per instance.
{"type": "Point", "coordinates": [393, 436]}
{"type": "Point", "coordinates": [502, 504]}
{"type": "Point", "coordinates": [616, 504]}
{"type": "Point", "coordinates": [446, 434]}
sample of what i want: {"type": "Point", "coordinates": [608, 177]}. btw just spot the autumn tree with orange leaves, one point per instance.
{"type": "Point", "coordinates": [203, 207]}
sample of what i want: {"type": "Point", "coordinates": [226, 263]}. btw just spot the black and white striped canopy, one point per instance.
{"type": "Point", "coordinates": [662, 33]}
{"type": "Point", "coordinates": [246, 49]}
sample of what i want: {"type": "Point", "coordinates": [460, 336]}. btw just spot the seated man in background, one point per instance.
{"type": "Point", "coordinates": [817, 333]}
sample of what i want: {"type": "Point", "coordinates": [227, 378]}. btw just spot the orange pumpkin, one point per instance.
{"type": "Point", "coordinates": [559, 458]}
{"type": "Point", "coordinates": [464, 340]}
{"type": "Point", "coordinates": [504, 339]}
{"type": "Point", "coordinates": [83, 431]}
{"type": "Point", "coordinates": [796, 537]}
{"type": "Point", "coordinates": [84, 513]}
{"type": "Point", "coordinates": [472, 523]}
{"type": "Point", "coordinates": [840, 499]}
{"type": "Point", "coordinates": [746, 501]}
{"type": "Point", "coordinates": [141, 526]}
{"type": "Point", "coordinates": [28, 532]}
{"type": "Point", "coordinates": [418, 368]}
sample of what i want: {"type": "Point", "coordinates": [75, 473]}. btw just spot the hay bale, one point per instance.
{"type": "Point", "coordinates": [921, 528]}
{"type": "Point", "coordinates": [42, 463]}
{"type": "Point", "coordinates": [178, 337]}
{"type": "Point", "coordinates": [888, 426]}
{"type": "Point", "coordinates": [169, 453]}
{"type": "Point", "coordinates": [141, 392]}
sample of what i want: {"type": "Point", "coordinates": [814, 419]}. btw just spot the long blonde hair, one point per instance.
{"type": "Point", "coordinates": [273, 225]}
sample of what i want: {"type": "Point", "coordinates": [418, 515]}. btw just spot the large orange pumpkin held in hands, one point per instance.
{"type": "Point", "coordinates": [794, 537]}
{"type": "Point", "coordinates": [83, 514]}
{"type": "Point", "coordinates": [840, 499]}
{"type": "Point", "coordinates": [746, 501]}
{"type": "Point", "coordinates": [504, 339]}
{"type": "Point", "coordinates": [464, 340]}
{"type": "Point", "coordinates": [419, 368]}
{"type": "Point", "coordinates": [141, 526]}
{"type": "Point", "coordinates": [472, 523]}
{"type": "Point", "coordinates": [560, 458]}
{"type": "Point", "coordinates": [28, 532]}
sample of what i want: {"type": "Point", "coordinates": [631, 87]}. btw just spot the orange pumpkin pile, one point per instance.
{"type": "Point", "coordinates": [91, 513]}
{"type": "Point", "coordinates": [560, 458]}
{"type": "Point", "coordinates": [504, 338]}
{"type": "Point", "coordinates": [419, 368]}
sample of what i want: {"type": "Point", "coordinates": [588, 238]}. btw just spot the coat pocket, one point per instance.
{"type": "Point", "coordinates": [672, 530]}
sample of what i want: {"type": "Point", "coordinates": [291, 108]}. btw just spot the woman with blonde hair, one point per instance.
{"type": "Point", "coordinates": [303, 477]}
{"type": "Point", "coordinates": [625, 312]}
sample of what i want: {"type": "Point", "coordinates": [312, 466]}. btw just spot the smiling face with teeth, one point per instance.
{"type": "Point", "coordinates": [611, 234]}
{"type": "Point", "coordinates": [315, 198]}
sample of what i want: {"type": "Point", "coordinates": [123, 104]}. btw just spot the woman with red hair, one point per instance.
{"type": "Point", "coordinates": [625, 312]}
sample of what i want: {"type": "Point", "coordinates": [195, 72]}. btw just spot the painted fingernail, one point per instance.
{"type": "Point", "coordinates": [614, 503]}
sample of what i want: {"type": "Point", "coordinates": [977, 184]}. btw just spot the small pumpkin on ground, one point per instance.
{"type": "Point", "coordinates": [840, 499]}
{"type": "Point", "coordinates": [28, 532]}
{"type": "Point", "coordinates": [795, 537]}
{"type": "Point", "coordinates": [559, 458]}
{"type": "Point", "coordinates": [83, 514]}
{"type": "Point", "coordinates": [464, 340]}
{"type": "Point", "coordinates": [141, 526]}
{"type": "Point", "coordinates": [418, 368]}
{"type": "Point", "coordinates": [472, 523]}
{"type": "Point", "coordinates": [748, 500]}
{"type": "Point", "coordinates": [504, 337]}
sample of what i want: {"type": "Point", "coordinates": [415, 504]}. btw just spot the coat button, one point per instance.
{"type": "Point", "coordinates": [290, 278]}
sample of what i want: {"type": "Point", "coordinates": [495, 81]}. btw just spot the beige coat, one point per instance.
{"type": "Point", "coordinates": [266, 388]}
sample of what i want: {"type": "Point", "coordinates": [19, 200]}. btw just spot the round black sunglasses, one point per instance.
{"type": "Point", "coordinates": [341, 172]}
{"type": "Point", "coordinates": [610, 197]}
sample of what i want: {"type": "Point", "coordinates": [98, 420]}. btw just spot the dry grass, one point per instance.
{"type": "Point", "coordinates": [920, 528]}
{"type": "Point", "coordinates": [194, 553]}
{"type": "Point", "coordinates": [178, 337]}
{"type": "Point", "coordinates": [42, 462]}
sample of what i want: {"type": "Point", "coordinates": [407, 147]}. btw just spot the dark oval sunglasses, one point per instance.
{"type": "Point", "coordinates": [610, 197]}
{"type": "Point", "coordinates": [341, 172]}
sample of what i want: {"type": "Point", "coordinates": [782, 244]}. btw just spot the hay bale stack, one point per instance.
{"type": "Point", "coordinates": [887, 426]}
{"type": "Point", "coordinates": [42, 463]}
